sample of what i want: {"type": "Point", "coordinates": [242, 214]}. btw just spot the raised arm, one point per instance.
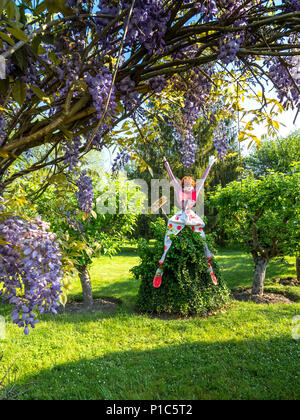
{"type": "Point", "coordinates": [200, 183]}
{"type": "Point", "coordinates": [174, 181]}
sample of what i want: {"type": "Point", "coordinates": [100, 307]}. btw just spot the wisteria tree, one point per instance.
{"type": "Point", "coordinates": [74, 70]}
{"type": "Point", "coordinates": [80, 67]}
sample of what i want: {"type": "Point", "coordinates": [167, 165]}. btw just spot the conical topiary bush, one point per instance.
{"type": "Point", "coordinates": [186, 287]}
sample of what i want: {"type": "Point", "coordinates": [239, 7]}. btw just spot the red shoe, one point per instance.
{"type": "Point", "coordinates": [157, 281]}
{"type": "Point", "coordinates": [214, 279]}
{"type": "Point", "coordinates": [158, 277]}
{"type": "Point", "coordinates": [212, 274]}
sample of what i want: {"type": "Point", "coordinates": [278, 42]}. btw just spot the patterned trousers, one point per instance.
{"type": "Point", "coordinates": [177, 223]}
{"type": "Point", "coordinates": [175, 226]}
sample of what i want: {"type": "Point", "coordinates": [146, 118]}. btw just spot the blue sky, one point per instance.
{"type": "Point", "coordinates": [285, 120]}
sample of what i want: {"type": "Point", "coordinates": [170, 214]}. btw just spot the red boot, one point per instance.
{"type": "Point", "coordinates": [214, 278]}
{"type": "Point", "coordinates": [158, 277]}
{"type": "Point", "coordinates": [212, 274]}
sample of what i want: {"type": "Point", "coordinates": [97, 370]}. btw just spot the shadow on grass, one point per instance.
{"type": "Point", "coordinates": [125, 291]}
{"type": "Point", "coordinates": [71, 318]}
{"type": "Point", "coordinates": [128, 251]}
{"type": "Point", "coordinates": [124, 312]}
{"type": "Point", "coordinates": [238, 268]}
{"type": "Point", "coordinates": [119, 289]}
{"type": "Point", "coordinates": [248, 369]}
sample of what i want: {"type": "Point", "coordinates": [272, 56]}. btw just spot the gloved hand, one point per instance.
{"type": "Point", "coordinates": [212, 160]}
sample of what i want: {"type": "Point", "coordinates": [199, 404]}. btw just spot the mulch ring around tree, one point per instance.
{"type": "Point", "coordinates": [99, 305]}
{"type": "Point", "coordinates": [286, 281]}
{"type": "Point", "coordinates": [245, 295]}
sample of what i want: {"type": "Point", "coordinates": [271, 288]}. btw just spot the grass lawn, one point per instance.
{"type": "Point", "coordinates": [245, 352]}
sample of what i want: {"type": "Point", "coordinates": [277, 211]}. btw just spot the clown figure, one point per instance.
{"type": "Point", "coordinates": [186, 194]}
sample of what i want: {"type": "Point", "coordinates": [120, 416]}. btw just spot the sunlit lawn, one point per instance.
{"type": "Point", "coordinates": [245, 352]}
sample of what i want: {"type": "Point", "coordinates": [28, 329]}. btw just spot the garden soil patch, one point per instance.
{"type": "Point", "coordinates": [100, 305]}
{"type": "Point", "coordinates": [287, 281]}
{"type": "Point", "coordinates": [267, 298]}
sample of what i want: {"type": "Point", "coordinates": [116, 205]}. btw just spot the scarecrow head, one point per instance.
{"type": "Point", "coordinates": [188, 184]}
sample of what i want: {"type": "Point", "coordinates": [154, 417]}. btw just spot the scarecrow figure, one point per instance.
{"type": "Point", "coordinates": [186, 194]}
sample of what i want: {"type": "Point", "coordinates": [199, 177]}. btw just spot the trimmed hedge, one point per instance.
{"type": "Point", "coordinates": [186, 287]}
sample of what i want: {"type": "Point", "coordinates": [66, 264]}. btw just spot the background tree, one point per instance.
{"type": "Point", "coordinates": [263, 215]}
{"type": "Point", "coordinates": [275, 154]}
{"type": "Point", "coordinates": [84, 232]}
{"type": "Point", "coordinates": [279, 155]}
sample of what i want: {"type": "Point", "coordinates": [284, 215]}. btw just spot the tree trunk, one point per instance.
{"type": "Point", "coordinates": [298, 268]}
{"type": "Point", "coordinates": [259, 275]}
{"type": "Point", "coordinates": [86, 285]}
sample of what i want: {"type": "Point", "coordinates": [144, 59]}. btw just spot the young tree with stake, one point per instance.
{"type": "Point", "coordinates": [263, 215]}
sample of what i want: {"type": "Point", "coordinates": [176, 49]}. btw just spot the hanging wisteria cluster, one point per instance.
{"type": "Point", "coordinates": [221, 138]}
{"type": "Point", "coordinates": [229, 47]}
{"type": "Point", "coordinates": [148, 24]}
{"type": "Point", "coordinates": [158, 83]}
{"type": "Point", "coordinates": [72, 150]}
{"type": "Point", "coordinates": [128, 95]}
{"type": "Point", "coordinates": [99, 88]}
{"type": "Point", "coordinates": [71, 219]}
{"type": "Point", "coordinates": [208, 9]}
{"type": "Point", "coordinates": [286, 76]}
{"type": "Point", "coordinates": [292, 5]}
{"type": "Point", "coordinates": [196, 101]}
{"type": "Point", "coordinates": [3, 124]}
{"type": "Point", "coordinates": [85, 192]}
{"type": "Point", "coordinates": [30, 269]}
{"type": "Point", "coordinates": [96, 140]}
{"type": "Point", "coordinates": [120, 160]}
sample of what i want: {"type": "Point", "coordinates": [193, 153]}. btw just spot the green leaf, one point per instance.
{"type": "Point", "coordinates": [19, 92]}
{"type": "Point", "coordinates": [3, 4]}
{"type": "Point", "coordinates": [56, 6]}
{"type": "Point", "coordinates": [68, 134]}
{"type": "Point", "coordinates": [10, 10]}
{"type": "Point", "coordinates": [94, 214]}
{"type": "Point", "coordinates": [7, 38]}
{"type": "Point", "coordinates": [40, 94]}
{"type": "Point", "coordinates": [20, 58]}
{"type": "Point", "coordinates": [58, 179]}
{"type": "Point", "coordinates": [3, 154]}
{"type": "Point", "coordinates": [41, 50]}
{"type": "Point", "coordinates": [40, 8]}
{"type": "Point", "coordinates": [36, 43]}
{"type": "Point", "coordinates": [18, 33]}
{"type": "Point", "coordinates": [63, 299]}
{"type": "Point", "coordinates": [4, 86]}
{"type": "Point", "coordinates": [55, 60]}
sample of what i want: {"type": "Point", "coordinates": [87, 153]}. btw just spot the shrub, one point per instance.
{"type": "Point", "coordinates": [186, 287]}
